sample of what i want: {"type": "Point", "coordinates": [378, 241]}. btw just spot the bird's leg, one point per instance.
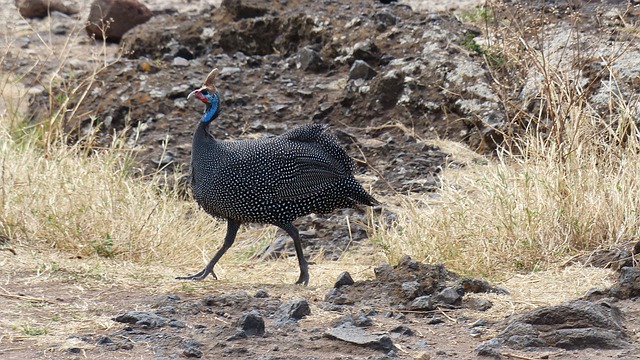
{"type": "Point", "coordinates": [304, 267]}
{"type": "Point", "coordinates": [232, 230]}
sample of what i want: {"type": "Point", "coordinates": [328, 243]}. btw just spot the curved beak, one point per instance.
{"type": "Point", "coordinates": [192, 94]}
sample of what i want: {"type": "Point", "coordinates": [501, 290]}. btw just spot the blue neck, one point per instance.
{"type": "Point", "coordinates": [212, 110]}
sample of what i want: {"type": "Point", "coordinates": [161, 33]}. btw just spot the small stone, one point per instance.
{"type": "Point", "coordinates": [142, 318]}
{"type": "Point", "coordinates": [177, 324]}
{"type": "Point", "coordinates": [479, 322]}
{"type": "Point", "coordinates": [403, 330]}
{"type": "Point", "coordinates": [251, 324]}
{"type": "Point", "coordinates": [228, 71]}
{"type": "Point", "coordinates": [324, 109]}
{"type": "Point", "coordinates": [344, 279]}
{"type": "Point", "coordinates": [337, 297]}
{"type": "Point", "coordinates": [192, 353]}
{"type": "Point", "coordinates": [167, 158]}
{"type": "Point", "coordinates": [400, 316]}
{"type": "Point", "coordinates": [481, 286]}
{"type": "Point", "coordinates": [359, 320]}
{"type": "Point", "coordinates": [490, 348]}
{"type": "Point", "coordinates": [389, 88]}
{"type": "Point", "coordinates": [385, 18]}
{"type": "Point", "coordinates": [361, 70]}
{"type": "Point", "coordinates": [178, 92]}
{"type": "Point", "coordinates": [310, 60]}
{"type": "Point", "coordinates": [448, 296]}
{"type": "Point", "coordinates": [180, 61]}
{"type": "Point", "coordinates": [422, 303]}
{"type": "Point", "coordinates": [366, 50]}
{"type": "Point", "coordinates": [292, 311]}
{"type": "Point", "coordinates": [183, 52]}
{"type": "Point", "coordinates": [275, 249]}
{"type": "Point", "coordinates": [261, 294]}
{"type": "Point", "coordinates": [344, 320]}
{"type": "Point", "coordinates": [628, 285]}
{"type": "Point", "coordinates": [411, 289]}
{"type": "Point", "coordinates": [104, 340]}
{"type": "Point", "coordinates": [60, 29]}
{"type": "Point", "coordinates": [477, 304]}
{"type": "Point", "coordinates": [359, 336]}
{"type": "Point", "coordinates": [383, 271]}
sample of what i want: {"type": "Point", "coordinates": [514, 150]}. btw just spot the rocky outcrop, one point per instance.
{"type": "Point", "coordinates": [572, 325]}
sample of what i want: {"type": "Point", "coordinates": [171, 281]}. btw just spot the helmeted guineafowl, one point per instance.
{"type": "Point", "coordinates": [272, 180]}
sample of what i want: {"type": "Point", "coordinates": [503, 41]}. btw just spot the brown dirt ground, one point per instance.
{"type": "Point", "coordinates": [73, 303]}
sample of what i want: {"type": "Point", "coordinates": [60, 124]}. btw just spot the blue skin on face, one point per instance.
{"type": "Point", "coordinates": [212, 101]}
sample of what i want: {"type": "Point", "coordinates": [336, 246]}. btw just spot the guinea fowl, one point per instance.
{"type": "Point", "coordinates": [272, 180]}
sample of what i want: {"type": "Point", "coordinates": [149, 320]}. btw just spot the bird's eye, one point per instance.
{"type": "Point", "coordinates": [204, 92]}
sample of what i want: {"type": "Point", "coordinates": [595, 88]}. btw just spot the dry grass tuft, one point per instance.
{"type": "Point", "coordinates": [565, 183]}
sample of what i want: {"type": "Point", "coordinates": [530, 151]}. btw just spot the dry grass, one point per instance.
{"type": "Point", "coordinates": [558, 190]}
{"type": "Point", "coordinates": [566, 183]}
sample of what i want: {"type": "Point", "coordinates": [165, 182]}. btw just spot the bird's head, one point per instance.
{"type": "Point", "coordinates": [208, 89]}
{"type": "Point", "coordinates": [208, 94]}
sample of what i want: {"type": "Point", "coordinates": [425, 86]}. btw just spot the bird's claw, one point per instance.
{"type": "Point", "coordinates": [198, 276]}
{"type": "Point", "coordinates": [303, 279]}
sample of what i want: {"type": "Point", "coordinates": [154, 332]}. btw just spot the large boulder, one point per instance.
{"type": "Point", "coordinates": [111, 19]}
{"type": "Point", "coordinates": [572, 325]}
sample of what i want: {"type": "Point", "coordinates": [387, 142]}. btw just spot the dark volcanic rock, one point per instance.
{"type": "Point", "coordinates": [111, 19]}
{"type": "Point", "coordinates": [356, 335]}
{"type": "Point", "coordinates": [448, 296]}
{"type": "Point", "coordinates": [261, 294]}
{"type": "Point", "coordinates": [470, 285]}
{"type": "Point", "coordinates": [366, 50]}
{"type": "Point", "coordinates": [251, 324]}
{"type": "Point", "coordinates": [409, 284]}
{"type": "Point", "coordinates": [191, 348]}
{"type": "Point", "coordinates": [422, 303]}
{"type": "Point", "coordinates": [477, 304]}
{"type": "Point", "coordinates": [310, 60]}
{"type": "Point", "coordinates": [359, 320]}
{"type": "Point", "coordinates": [142, 318]}
{"type": "Point", "coordinates": [292, 311]}
{"type": "Point", "coordinates": [628, 285]}
{"type": "Point", "coordinates": [344, 279]}
{"type": "Point", "coordinates": [361, 70]}
{"type": "Point", "coordinates": [575, 324]}
{"type": "Point", "coordinates": [388, 88]}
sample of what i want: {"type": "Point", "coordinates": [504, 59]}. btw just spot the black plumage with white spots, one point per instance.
{"type": "Point", "coordinates": [272, 180]}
